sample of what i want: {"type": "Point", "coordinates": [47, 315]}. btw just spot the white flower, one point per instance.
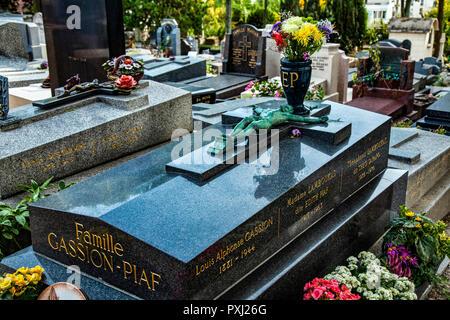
{"type": "Point", "coordinates": [289, 28]}
{"type": "Point", "coordinates": [298, 21]}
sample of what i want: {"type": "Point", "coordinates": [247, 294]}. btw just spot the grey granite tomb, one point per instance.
{"type": "Point", "coordinates": [67, 139]}
{"type": "Point", "coordinates": [162, 235]}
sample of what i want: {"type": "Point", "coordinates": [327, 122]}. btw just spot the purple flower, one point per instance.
{"type": "Point", "coordinates": [276, 27]}
{"type": "Point", "coordinates": [296, 133]}
{"type": "Point", "coordinates": [326, 27]}
{"type": "Point", "coordinates": [306, 56]}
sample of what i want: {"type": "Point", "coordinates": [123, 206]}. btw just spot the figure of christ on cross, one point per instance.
{"type": "Point", "coordinates": [262, 119]}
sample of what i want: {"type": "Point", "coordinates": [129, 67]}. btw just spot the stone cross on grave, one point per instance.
{"type": "Point", "coordinates": [332, 133]}
{"type": "Point", "coordinates": [245, 45]}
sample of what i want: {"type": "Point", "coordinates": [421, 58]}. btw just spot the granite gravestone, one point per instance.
{"type": "Point", "coordinates": [168, 36]}
{"type": "Point", "coordinates": [20, 39]}
{"type": "Point", "coordinates": [437, 115]}
{"type": "Point", "coordinates": [76, 136]}
{"type": "Point", "coordinates": [244, 61]}
{"type": "Point", "coordinates": [160, 235]}
{"type": "Point", "coordinates": [81, 35]}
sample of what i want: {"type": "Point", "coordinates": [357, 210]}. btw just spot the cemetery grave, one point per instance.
{"type": "Point", "coordinates": [244, 61]}
{"type": "Point", "coordinates": [187, 193]}
{"type": "Point", "coordinates": [391, 93]}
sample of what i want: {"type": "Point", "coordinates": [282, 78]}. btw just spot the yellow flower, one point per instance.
{"type": "Point", "coordinates": [418, 219]}
{"type": "Point", "coordinates": [322, 4]}
{"type": "Point", "coordinates": [409, 214]}
{"type": "Point", "coordinates": [22, 270]}
{"type": "Point", "coordinates": [37, 269]}
{"type": "Point", "coordinates": [19, 280]}
{"type": "Point", "coordinates": [419, 225]}
{"type": "Point", "coordinates": [12, 290]}
{"type": "Point", "coordinates": [21, 292]}
{"type": "Point", "coordinates": [302, 4]}
{"type": "Point", "coordinates": [5, 284]}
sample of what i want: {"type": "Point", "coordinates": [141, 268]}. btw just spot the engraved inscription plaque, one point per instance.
{"type": "Point", "coordinates": [245, 51]}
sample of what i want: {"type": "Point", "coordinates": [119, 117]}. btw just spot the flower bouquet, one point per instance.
{"type": "Point", "coordinates": [24, 284]}
{"type": "Point", "coordinates": [124, 65]}
{"type": "Point", "coordinates": [298, 38]}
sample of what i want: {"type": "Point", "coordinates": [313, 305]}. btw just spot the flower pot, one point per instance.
{"type": "Point", "coordinates": [295, 79]}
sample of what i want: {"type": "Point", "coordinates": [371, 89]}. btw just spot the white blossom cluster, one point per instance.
{"type": "Point", "coordinates": [366, 276]}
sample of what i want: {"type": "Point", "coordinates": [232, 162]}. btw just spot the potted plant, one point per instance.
{"type": "Point", "coordinates": [298, 38]}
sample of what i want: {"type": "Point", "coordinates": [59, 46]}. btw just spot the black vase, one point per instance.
{"type": "Point", "coordinates": [295, 79]}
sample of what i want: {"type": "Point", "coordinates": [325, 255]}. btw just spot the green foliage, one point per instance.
{"type": "Point", "coordinates": [441, 80]}
{"type": "Point", "coordinates": [15, 222]}
{"type": "Point", "coordinates": [188, 13]}
{"type": "Point", "coordinates": [424, 238]}
{"type": "Point", "coordinates": [256, 17]}
{"type": "Point", "coordinates": [434, 14]}
{"type": "Point", "coordinates": [377, 32]}
{"type": "Point", "coordinates": [404, 124]}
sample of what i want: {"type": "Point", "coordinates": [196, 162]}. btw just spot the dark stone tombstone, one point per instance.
{"type": "Point", "coordinates": [168, 36]}
{"type": "Point", "coordinates": [4, 98]}
{"type": "Point", "coordinates": [437, 116]}
{"type": "Point", "coordinates": [81, 35]}
{"type": "Point", "coordinates": [391, 58]}
{"type": "Point", "coordinates": [185, 47]}
{"type": "Point", "coordinates": [244, 51]}
{"type": "Point", "coordinates": [244, 61]}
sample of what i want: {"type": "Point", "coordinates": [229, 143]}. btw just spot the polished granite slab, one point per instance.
{"type": "Point", "coordinates": [161, 235]}
{"type": "Point", "coordinates": [282, 276]}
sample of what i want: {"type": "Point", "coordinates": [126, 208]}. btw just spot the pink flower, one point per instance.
{"type": "Point", "coordinates": [316, 294]}
{"type": "Point", "coordinates": [330, 295]}
{"type": "Point", "coordinates": [277, 95]}
{"type": "Point", "coordinates": [307, 296]}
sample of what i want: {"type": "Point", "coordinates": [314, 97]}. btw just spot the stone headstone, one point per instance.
{"type": "Point", "coordinates": [81, 35]}
{"type": "Point", "coordinates": [168, 35]}
{"type": "Point", "coordinates": [19, 39]}
{"type": "Point", "coordinates": [193, 42]}
{"type": "Point", "coordinates": [4, 98]}
{"type": "Point", "coordinates": [273, 56]}
{"type": "Point", "coordinates": [391, 58]}
{"type": "Point", "coordinates": [185, 47]}
{"type": "Point", "coordinates": [326, 65]}
{"type": "Point", "coordinates": [244, 51]}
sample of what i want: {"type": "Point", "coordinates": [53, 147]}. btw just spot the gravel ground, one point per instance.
{"type": "Point", "coordinates": [435, 293]}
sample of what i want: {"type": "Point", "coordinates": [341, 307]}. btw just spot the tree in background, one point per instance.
{"type": "Point", "coordinates": [143, 13]}
{"type": "Point", "coordinates": [442, 13]}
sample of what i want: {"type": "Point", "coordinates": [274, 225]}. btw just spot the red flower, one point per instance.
{"type": "Point", "coordinates": [128, 61]}
{"type": "Point", "coordinates": [278, 38]}
{"type": "Point", "coordinates": [126, 82]}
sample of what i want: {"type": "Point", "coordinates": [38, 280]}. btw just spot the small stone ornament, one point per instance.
{"type": "Point", "coordinates": [124, 65]}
